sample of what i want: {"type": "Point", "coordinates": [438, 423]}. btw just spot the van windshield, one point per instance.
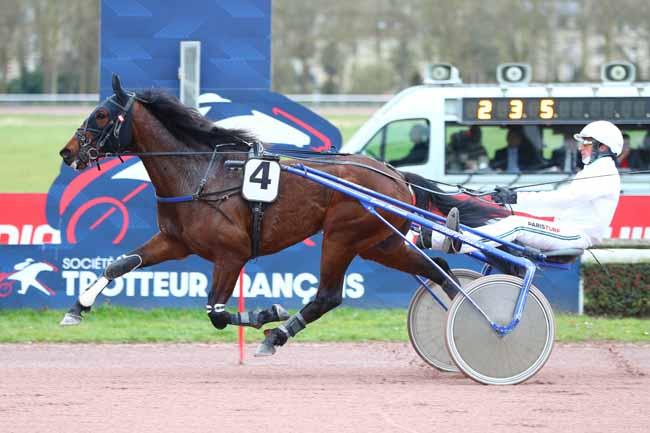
{"type": "Point", "coordinates": [401, 143]}
{"type": "Point", "coordinates": [529, 149]}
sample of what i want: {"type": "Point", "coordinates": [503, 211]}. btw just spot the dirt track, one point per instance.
{"type": "Point", "coordinates": [375, 387]}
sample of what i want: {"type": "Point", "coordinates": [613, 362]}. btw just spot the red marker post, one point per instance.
{"type": "Point", "coordinates": [241, 310]}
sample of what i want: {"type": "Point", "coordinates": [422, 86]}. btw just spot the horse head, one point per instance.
{"type": "Point", "coordinates": [107, 130]}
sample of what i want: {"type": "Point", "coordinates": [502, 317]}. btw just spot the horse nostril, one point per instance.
{"type": "Point", "coordinates": [65, 153]}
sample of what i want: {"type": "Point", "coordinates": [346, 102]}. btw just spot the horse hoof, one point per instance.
{"type": "Point", "coordinates": [280, 311]}
{"type": "Point", "coordinates": [71, 319]}
{"type": "Point", "coordinates": [265, 349]}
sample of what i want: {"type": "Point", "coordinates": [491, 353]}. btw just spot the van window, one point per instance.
{"type": "Point", "coordinates": [465, 151]}
{"type": "Point", "coordinates": [401, 143]}
{"type": "Point", "coordinates": [539, 149]}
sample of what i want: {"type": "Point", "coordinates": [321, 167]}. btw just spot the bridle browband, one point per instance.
{"type": "Point", "coordinates": [111, 138]}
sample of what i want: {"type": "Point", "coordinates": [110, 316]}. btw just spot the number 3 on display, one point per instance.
{"type": "Point", "coordinates": [261, 180]}
{"type": "Point", "coordinates": [516, 109]}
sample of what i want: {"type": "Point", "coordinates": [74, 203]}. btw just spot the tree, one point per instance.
{"type": "Point", "coordinates": [48, 22]}
{"type": "Point", "coordinates": [82, 38]}
{"type": "Point", "coordinates": [11, 17]}
{"type": "Point", "coordinates": [296, 41]}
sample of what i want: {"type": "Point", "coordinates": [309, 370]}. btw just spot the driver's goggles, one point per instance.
{"type": "Point", "coordinates": [583, 141]}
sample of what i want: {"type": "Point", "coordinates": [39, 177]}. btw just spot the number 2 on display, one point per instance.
{"type": "Point", "coordinates": [484, 109]}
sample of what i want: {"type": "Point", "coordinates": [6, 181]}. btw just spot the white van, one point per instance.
{"type": "Point", "coordinates": [465, 134]}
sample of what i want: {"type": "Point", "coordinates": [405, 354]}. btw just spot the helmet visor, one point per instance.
{"type": "Point", "coordinates": [583, 139]}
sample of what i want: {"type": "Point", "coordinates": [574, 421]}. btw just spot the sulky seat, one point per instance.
{"type": "Point", "coordinates": [564, 255]}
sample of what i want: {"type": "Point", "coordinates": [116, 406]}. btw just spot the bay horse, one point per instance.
{"type": "Point", "coordinates": [175, 143]}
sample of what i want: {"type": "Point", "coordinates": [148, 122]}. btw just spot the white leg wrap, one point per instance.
{"type": "Point", "coordinates": [87, 298]}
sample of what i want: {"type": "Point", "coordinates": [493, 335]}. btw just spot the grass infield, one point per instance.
{"type": "Point", "coordinates": [29, 149]}
{"type": "Point", "coordinates": [110, 324]}
{"type": "Point", "coordinates": [30, 145]}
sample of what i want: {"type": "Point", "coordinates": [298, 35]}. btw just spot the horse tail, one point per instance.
{"type": "Point", "coordinates": [473, 212]}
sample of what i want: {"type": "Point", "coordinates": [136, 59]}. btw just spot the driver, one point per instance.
{"type": "Point", "coordinates": [576, 215]}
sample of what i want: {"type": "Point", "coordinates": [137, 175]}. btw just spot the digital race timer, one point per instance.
{"type": "Point", "coordinates": [555, 110]}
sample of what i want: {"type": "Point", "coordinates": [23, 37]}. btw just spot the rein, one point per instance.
{"type": "Point", "coordinates": [191, 153]}
{"type": "Point", "coordinates": [459, 188]}
{"type": "Point", "coordinates": [113, 129]}
{"type": "Point", "coordinates": [199, 194]}
{"type": "Point", "coordinates": [582, 178]}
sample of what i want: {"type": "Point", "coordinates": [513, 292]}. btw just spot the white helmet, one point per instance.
{"type": "Point", "coordinates": [605, 133]}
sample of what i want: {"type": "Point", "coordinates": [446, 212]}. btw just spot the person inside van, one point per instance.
{"type": "Point", "coordinates": [623, 160]}
{"type": "Point", "coordinates": [519, 155]}
{"type": "Point", "coordinates": [465, 151]}
{"type": "Point", "coordinates": [567, 158]}
{"type": "Point", "coordinates": [419, 153]}
{"type": "Point", "coordinates": [640, 158]}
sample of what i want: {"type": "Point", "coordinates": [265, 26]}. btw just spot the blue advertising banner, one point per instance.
{"type": "Point", "coordinates": [53, 277]}
{"type": "Point", "coordinates": [140, 41]}
{"type": "Point", "coordinates": [95, 216]}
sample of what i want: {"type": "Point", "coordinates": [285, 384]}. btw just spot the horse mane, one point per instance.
{"type": "Point", "coordinates": [473, 212]}
{"type": "Point", "coordinates": [189, 125]}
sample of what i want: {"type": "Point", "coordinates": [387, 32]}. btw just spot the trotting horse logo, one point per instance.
{"type": "Point", "coordinates": [26, 273]}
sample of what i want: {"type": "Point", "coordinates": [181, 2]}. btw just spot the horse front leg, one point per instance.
{"type": "Point", "coordinates": [158, 249]}
{"type": "Point", "coordinates": [334, 262]}
{"type": "Point", "coordinates": [224, 278]}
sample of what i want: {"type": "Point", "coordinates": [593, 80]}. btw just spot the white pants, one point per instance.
{"type": "Point", "coordinates": [530, 232]}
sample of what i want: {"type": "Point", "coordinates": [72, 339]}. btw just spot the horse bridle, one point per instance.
{"type": "Point", "coordinates": [95, 141]}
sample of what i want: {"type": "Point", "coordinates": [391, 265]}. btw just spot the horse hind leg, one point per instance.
{"type": "Point", "coordinates": [156, 250]}
{"type": "Point", "coordinates": [394, 253]}
{"type": "Point", "coordinates": [259, 317]}
{"type": "Point", "coordinates": [334, 262]}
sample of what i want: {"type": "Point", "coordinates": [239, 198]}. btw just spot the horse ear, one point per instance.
{"type": "Point", "coordinates": [117, 89]}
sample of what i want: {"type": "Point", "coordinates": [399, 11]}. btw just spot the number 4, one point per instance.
{"type": "Point", "coordinates": [261, 175]}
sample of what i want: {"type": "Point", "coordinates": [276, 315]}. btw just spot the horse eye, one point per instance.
{"type": "Point", "coordinates": [100, 115]}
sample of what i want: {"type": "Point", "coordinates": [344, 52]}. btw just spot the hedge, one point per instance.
{"type": "Point", "coordinates": [620, 289]}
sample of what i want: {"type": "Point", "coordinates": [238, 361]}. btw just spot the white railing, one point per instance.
{"type": "Point", "coordinates": [316, 99]}
{"type": "Point", "coordinates": [48, 98]}
{"type": "Point", "coordinates": [83, 98]}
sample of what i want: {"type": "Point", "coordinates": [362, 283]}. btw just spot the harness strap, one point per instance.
{"type": "Point", "coordinates": [178, 199]}
{"type": "Point", "coordinates": [199, 192]}
{"type": "Point", "coordinates": [205, 196]}
{"type": "Point", "coordinates": [257, 210]}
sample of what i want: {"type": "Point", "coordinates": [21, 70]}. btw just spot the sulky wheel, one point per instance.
{"type": "Point", "coordinates": [480, 352]}
{"type": "Point", "coordinates": [426, 321]}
